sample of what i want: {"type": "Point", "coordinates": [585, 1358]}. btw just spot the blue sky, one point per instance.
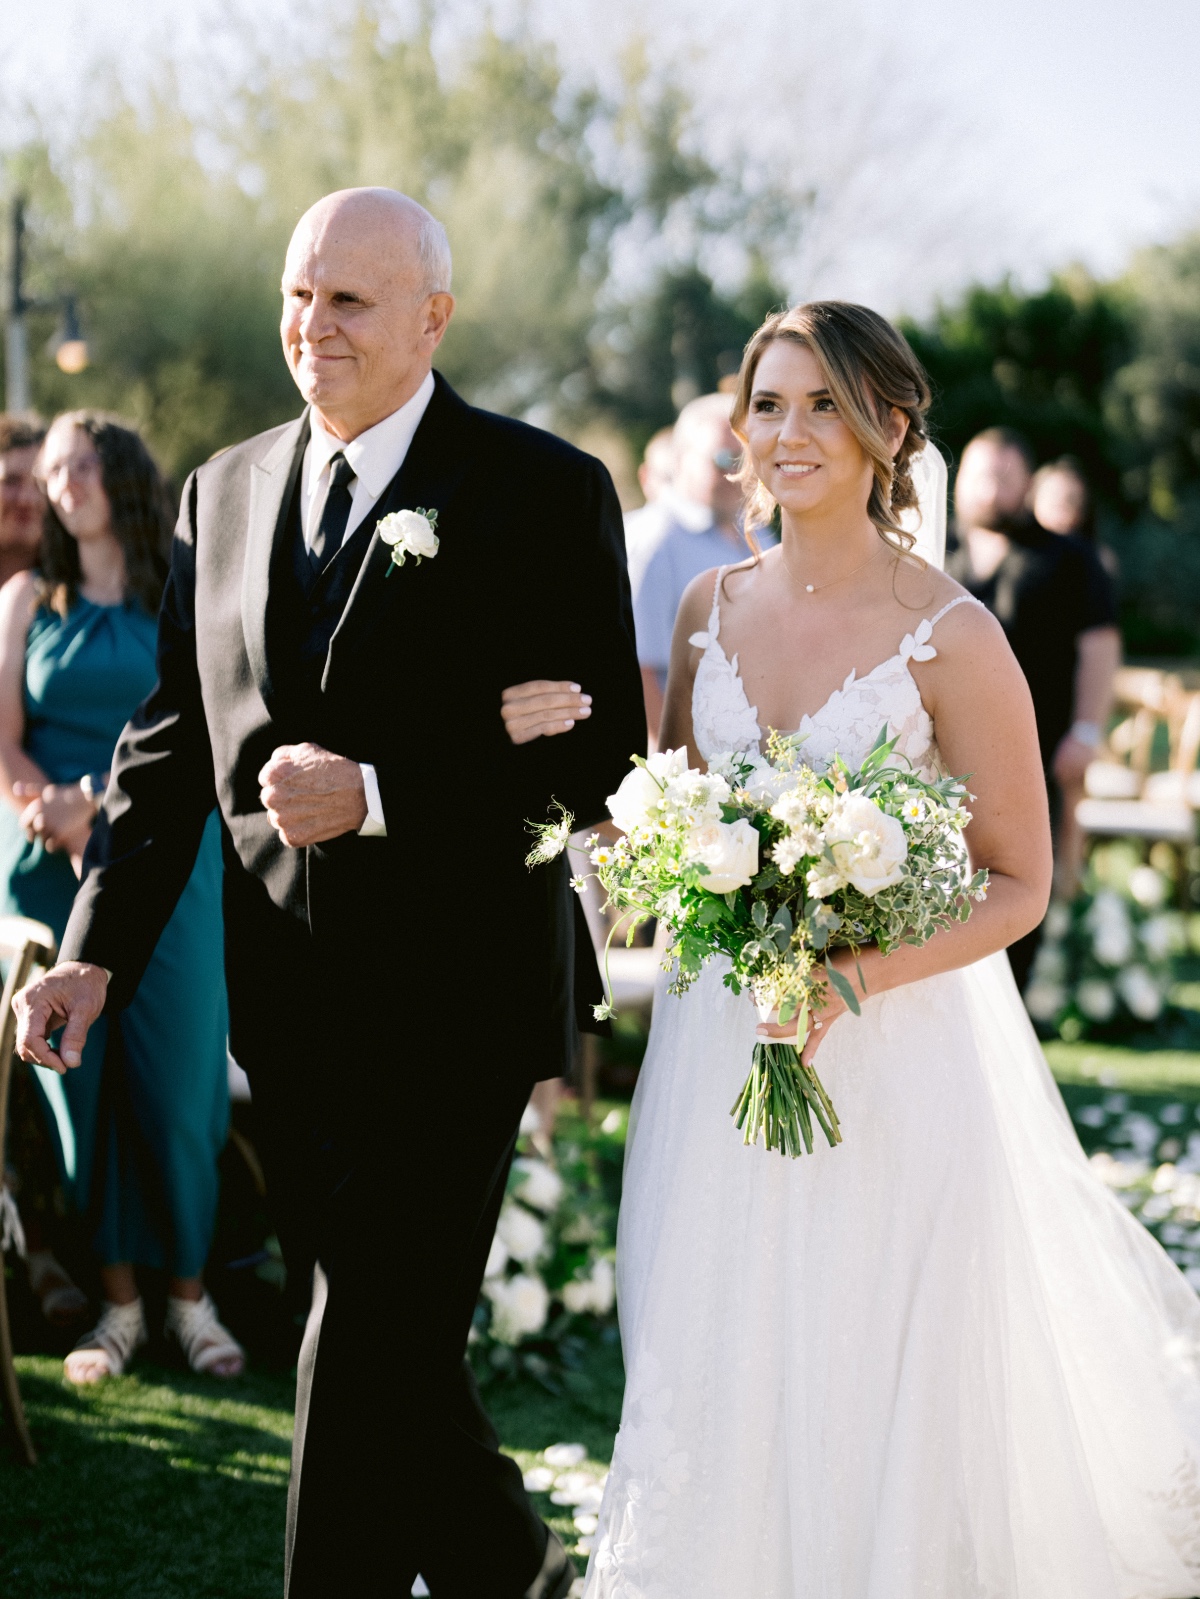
{"type": "Point", "coordinates": [954, 138]}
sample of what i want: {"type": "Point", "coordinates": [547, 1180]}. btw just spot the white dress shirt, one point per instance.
{"type": "Point", "coordinates": [374, 457]}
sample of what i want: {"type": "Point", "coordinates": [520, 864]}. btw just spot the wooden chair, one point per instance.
{"type": "Point", "coordinates": [27, 946]}
{"type": "Point", "coordinates": [1124, 798]}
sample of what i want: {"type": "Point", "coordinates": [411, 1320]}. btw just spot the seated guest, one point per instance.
{"type": "Point", "coordinates": [645, 527]}
{"type": "Point", "coordinates": [140, 1124]}
{"type": "Point", "coordinates": [1055, 602]}
{"type": "Point", "coordinates": [704, 532]}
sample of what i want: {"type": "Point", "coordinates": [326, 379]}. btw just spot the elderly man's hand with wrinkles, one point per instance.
{"type": "Point", "coordinates": [70, 996]}
{"type": "Point", "coordinates": [311, 795]}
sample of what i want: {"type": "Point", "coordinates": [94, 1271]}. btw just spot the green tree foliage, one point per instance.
{"type": "Point", "coordinates": [172, 232]}
{"type": "Point", "coordinates": [1040, 363]}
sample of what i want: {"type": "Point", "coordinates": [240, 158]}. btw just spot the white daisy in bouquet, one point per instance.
{"type": "Point", "coordinates": [771, 864]}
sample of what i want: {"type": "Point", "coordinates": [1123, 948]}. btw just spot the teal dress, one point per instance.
{"type": "Point", "coordinates": [140, 1124]}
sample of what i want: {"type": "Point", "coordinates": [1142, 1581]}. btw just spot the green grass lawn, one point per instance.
{"type": "Point", "coordinates": [161, 1485]}
{"type": "Point", "coordinates": [1136, 1071]}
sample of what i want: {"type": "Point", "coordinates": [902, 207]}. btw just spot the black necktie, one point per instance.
{"type": "Point", "coordinates": [335, 513]}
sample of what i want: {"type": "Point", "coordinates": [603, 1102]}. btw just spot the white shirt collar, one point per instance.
{"type": "Point", "coordinates": [376, 455]}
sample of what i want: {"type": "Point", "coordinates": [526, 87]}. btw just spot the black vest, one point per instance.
{"type": "Point", "coordinates": [313, 609]}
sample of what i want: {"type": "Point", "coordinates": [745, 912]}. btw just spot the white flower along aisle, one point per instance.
{"type": "Point", "coordinates": [550, 1279]}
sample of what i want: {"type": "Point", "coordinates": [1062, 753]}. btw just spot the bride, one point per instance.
{"type": "Point", "coordinates": [939, 1361]}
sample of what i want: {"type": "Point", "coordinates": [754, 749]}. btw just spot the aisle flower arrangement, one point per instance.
{"type": "Point", "coordinates": [550, 1279]}
{"type": "Point", "coordinates": [771, 865]}
{"type": "Point", "coordinates": [1107, 960]}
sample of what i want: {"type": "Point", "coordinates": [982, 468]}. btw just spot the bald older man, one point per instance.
{"type": "Point", "coordinates": [397, 978]}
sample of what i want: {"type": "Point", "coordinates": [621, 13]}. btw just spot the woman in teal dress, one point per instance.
{"type": "Point", "coordinates": [140, 1124]}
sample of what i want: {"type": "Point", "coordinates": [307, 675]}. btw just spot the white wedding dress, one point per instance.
{"type": "Point", "coordinates": [938, 1362]}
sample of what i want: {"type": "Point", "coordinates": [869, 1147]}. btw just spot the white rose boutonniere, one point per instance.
{"type": "Point", "coordinates": [409, 533]}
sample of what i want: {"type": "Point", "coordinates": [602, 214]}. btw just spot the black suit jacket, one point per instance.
{"type": "Point", "coordinates": [441, 920]}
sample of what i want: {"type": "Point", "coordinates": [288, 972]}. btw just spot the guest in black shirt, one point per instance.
{"type": "Point", "coordinates": [1055, 601]}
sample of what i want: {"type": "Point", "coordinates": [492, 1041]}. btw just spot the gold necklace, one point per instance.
{"type": "Point", "coordinates": [815, 588]}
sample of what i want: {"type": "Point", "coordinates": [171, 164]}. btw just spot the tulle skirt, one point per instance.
{"type": "Point", "coordinates": [940, 1361]}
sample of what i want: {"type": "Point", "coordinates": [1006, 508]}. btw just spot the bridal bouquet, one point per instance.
{"type": "Point", "coordinates": [772, 865]}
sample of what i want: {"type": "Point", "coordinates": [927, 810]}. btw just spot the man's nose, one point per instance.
{"type": "Point", "coordinates": [316, 322]}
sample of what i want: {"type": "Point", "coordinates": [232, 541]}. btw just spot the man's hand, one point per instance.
{"type": "Point", "coordinates": [542, 709]}
{"type": "Point", "coordinates": [73, 994]}
{"type": "Point", "coordinates": [311, 795]}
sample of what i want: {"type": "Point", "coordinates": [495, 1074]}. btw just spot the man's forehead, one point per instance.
{"type": "Point", "coordinates": [353, 264]}
{"type": "Point", "coordinates": [991, 452]}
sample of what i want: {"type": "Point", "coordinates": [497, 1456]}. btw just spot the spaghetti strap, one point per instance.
{"type": "Point", "coordinates": [916, 646]}
{"type": "Point", "coordinates": [714, 616]}
{"type": "Point", "coordinates": [959, 599]}
{"type": "Point", "coordinates": [703, 640]}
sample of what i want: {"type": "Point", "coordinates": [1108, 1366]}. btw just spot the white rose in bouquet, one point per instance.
{"type": "Point", "coordinates": [521, 1233]}
{"type": "Point", "coordinates": [868, 846]}
{"type": "Point", "coordinates": [641, 792]}
{"type": "Point", "coordinates": [728, 849]}
{"type": "Point", "coordinates": [540, 1185]}
{"type": "Point", "coordinates": [520, 1306]}
{"type": "Point", "coordinates": [766, 782]}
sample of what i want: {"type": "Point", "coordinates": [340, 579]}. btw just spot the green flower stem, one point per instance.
{"type": "Point", "coordinates": [779, 1100]}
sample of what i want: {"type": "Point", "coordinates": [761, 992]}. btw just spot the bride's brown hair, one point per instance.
{"type": "Point", "coordinates": [869, 369]}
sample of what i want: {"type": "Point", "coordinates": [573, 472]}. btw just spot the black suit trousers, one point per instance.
{"type": "Point", "coordinates": [386, 1156]}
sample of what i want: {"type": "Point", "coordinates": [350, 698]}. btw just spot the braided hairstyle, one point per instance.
{"type": "Point", "coordinates": [142, 517]}
{"type": "Point", "coordinates": [870, 371]}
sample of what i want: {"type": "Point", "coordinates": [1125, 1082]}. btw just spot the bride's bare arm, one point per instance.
{"type": "Point", "coordinates": [983, 715]}
{"type": "Point", "coordinates": [675, 729]}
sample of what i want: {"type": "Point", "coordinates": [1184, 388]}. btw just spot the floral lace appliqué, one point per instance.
{"type": "Point", "coordinates": [647, 1472]}
{"type": "Point", "coordinates": [847, 724]}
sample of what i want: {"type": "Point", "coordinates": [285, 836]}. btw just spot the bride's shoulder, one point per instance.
{"type": "Point", "coordinates": [931, 595]}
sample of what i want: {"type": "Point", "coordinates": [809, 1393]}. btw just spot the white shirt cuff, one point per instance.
{"type": "Point", "coordinates": [374, 826]}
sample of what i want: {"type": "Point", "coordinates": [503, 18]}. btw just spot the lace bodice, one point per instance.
{"type": "Point", "coordinates": [847, 724]}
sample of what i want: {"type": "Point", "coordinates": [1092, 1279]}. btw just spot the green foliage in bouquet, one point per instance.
{"type": "Point", "coordinates": [1107, 961]}
{"type": "Point", "coordinates": [550, 1284]}
{"type": "Point", "coordinates": [772, 865]}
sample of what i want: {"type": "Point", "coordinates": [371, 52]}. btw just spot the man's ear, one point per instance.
{"type": "Point", "coordinates": [437, 317]}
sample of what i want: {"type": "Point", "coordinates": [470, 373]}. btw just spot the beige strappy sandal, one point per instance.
{"type": "Point", "coordinates": [120, 1331]}
{"type": "Point", "coordinates": [63, 1304]}
{"type": "Point", "coordinates": [206, 1344]}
